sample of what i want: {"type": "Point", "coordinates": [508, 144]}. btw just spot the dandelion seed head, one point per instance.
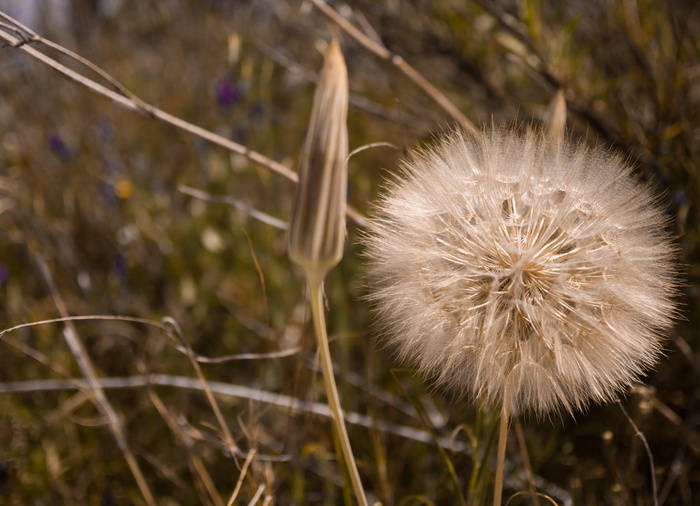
{"type": "Point", "coordinates": [522, 270]}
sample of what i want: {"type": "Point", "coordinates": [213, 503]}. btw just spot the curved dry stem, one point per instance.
{"type": "Point", "coordinates": [652, 468]}
{"type": "Point", "coordinates": [535, 497]}
{"type": "Point", "coordinates": [383, 53]}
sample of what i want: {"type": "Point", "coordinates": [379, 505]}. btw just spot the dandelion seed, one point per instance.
{"type": "Point", "coordinates": [522, 270]}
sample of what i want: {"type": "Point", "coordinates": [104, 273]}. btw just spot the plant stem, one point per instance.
{"type": "Point", "coordinates": [502, 438]}
{"type": "Point", "coordinates": [315, 285]}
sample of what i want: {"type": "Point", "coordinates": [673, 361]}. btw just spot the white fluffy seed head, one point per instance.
{"type": "Point", "coordinates": [523, 271]}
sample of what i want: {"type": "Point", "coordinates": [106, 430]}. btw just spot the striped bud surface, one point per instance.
{"type": "Point", "coordinates": [317, 227]}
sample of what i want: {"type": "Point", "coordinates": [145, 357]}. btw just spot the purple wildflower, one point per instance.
{"type": "Point", "coordinates": [226, 93]}
{"type": "Point", "coordinates": [58, 146]}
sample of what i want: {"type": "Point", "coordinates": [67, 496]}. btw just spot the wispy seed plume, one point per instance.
{"type": "Point", "coordinates": [525, 271]}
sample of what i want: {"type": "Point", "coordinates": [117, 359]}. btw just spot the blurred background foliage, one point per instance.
{"type": "Point", "coordinates": [95, 192]}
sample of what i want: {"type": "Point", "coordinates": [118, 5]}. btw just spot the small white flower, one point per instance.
{"type": "Point", "coordinates": [522, 270]}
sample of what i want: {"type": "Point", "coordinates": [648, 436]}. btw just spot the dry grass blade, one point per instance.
{"type": "Point", "coordinates": [143, 107]}
{"type": "Point", "coordinates": [228, 438]}
{"type": "Point", "coordinates": [238, 391]}
{"type": "Point", "coordinates": [652, 467]}
{"type": "Point", "coordinates": [535, 497]}
{"type": "Point", "coordinates": [94, 391]}
{"type": "Point", "coordinates": [195, 461]}
{"type": "Point", "coordinates": [239, 484]}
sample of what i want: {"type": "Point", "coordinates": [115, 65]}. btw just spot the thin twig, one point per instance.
{"type": "Point", "coordinates": [542, 74]}
{"type": "Point", "coordinates": [258, 494]}
{"type": "Point", "coordinates": [673, 417]}
{"type": "Point", "coordinates": [241, 477]}
{"type": "Point", "coordinates": [238, 391]}
{"type": "Point", "coordinates": [358, 101]}
{"type": "Point", "coordinates": [535, 497]}
{"type": "Point", "coordinates": [195, 460]}
{"type": "Point", "coordinates": [65, 408]}
{"type": "Point", "coordinates": [687, 351]}
{"type": "Point", "coordinates": [33, 353]}
{"type": "Point", "coordinates": [441, 448]}
{"type": "Point", "coordinates": [228, 438]}
{"type": "Point", "coordinates": [145, 108]}
{"type": "Point", "coordinates": [243, 356]}
{"type": "Point", "coordinates": [397, 61]}
{"type": "Point", "coordinates": [132, 319]}
{"type": "Point", "coordinates": [241, 206]}
{"type": "Point", "coordinates": [641, 436]}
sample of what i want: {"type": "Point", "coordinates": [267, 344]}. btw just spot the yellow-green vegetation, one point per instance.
{"type": "Point", "coordinates": [106, 210]}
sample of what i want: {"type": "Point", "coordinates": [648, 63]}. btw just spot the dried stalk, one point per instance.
{"type": "Point", "coordinates": [397, 61]}
{"type": "Point", "coordinates": [502, 439]}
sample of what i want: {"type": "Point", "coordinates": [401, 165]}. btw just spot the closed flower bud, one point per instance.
{"type": "Point", "coordinates": [555, 120]}
{"type": "Point", "coordinates": [525, 271]}
{"type": "Point", "coordinates": [317, 228]}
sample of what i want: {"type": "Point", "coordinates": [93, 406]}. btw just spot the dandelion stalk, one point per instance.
{"type": "Point", "coordinates": [315, 287]}
{"type": "Point", "coordinates": [317, 225]}
{"type": "Point", "coordinates": [501, 460]}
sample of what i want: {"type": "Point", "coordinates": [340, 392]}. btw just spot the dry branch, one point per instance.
{"type": "Point", "coordinates": [131, 102]}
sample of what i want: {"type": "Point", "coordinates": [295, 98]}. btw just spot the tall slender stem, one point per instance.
{"type": "Point", "coordinates": [316, 297]}
{"type": "Point", "coordinates": [502, 438]}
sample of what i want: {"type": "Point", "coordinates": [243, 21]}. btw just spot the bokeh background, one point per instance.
{"type": "Point", "coordinates": [98, 194]}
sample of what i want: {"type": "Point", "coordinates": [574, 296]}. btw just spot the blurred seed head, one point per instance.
{"type": "Point", "coordinates": [555, 119]}
{"type": "Point", "coordinates": [522, 270]}
{"type": "Point", "coordinates": [317, 227]}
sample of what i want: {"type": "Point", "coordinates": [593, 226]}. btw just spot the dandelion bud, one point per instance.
{"type": "Point", "coordinates": [525, 271]}
{"type": "Point", "coordinates": [317, 228]}
{"type": "Point", "coordinates": [556, 116]}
